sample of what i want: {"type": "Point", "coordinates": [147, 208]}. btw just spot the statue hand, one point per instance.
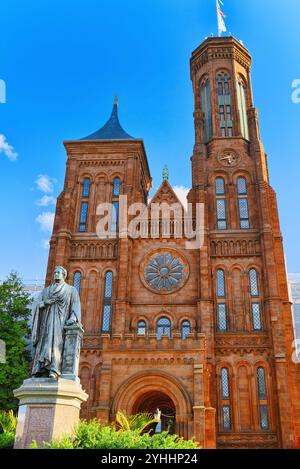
{"type": "Point", "coordinates": [72, 320]}
{"type": "Point", "coordinates": [49, 302]}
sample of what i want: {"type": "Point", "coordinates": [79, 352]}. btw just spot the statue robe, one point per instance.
{"type": "Point", "coordinates": [48, 325]}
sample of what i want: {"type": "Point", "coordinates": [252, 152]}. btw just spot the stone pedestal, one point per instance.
{"type": "Point", "coordinates": [71, 352]}
{"type": "Point", "coordinates": [48, 409]}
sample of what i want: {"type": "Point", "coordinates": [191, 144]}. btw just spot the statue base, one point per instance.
{"type": "Point", "coordinates": [48, 409]}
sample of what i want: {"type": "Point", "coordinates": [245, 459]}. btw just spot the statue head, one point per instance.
{"type": "Point", "coordinates": [60, 274]}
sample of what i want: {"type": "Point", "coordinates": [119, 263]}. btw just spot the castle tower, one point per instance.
{"type": "Point", "coordinates": [244, 303]}
{"type": "Point", "coordinates": [203, 334]}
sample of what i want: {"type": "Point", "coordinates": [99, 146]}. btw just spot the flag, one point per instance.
{"type": "Point", "coordinates": [221, 18]}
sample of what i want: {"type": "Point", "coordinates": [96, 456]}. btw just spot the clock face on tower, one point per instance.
{"type": "Point", "coordinates": [228, 158]}
{"type": "Point", "coordinates": [164, 271]}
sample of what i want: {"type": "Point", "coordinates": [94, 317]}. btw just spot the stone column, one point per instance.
{"type": "Point", "coordinates": [204, 426]}
{"type": "Point", "coordinates": [48, 409]}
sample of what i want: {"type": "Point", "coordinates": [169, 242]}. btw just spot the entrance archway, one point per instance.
{"type": "Point", "coordinates": [151, 389]}
{"type": "Point", "coordinates": [153, 400]}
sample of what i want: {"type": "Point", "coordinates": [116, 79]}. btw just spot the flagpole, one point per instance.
{"type": "Point", "coordinates": [217, 8]}
{"type": "Point", "coordinates": [220, 19]}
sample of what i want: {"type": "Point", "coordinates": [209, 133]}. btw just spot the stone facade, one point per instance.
{"type": "Point", "coordinates": [230, 379]}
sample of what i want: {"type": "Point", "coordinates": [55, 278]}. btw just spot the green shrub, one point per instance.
{"type": "Point", "coordinates": [7, 440]}
{"type": "Point", "coordinates": [95, 435]}
{"type": "Point", "coordinates": [166, 441]}
{"type": "Point", "coordinates": [8, 422]}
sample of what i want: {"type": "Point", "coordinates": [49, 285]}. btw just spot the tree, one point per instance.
{"type": "Point", "coordinates": [14, 328]}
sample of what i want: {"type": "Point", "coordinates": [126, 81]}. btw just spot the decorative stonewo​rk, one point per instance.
{"type": "Point", "coordinates": [50, 400]}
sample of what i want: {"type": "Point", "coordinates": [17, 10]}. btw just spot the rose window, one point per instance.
{"type": "Point", "coordinates": [164, 272]}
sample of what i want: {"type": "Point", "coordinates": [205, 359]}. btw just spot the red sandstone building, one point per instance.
{"type": "Point", "coordinates": [204, 334]}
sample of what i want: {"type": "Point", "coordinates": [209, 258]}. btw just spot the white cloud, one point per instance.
{"type": "Point", "coordinates": [46, 200]}
{"type": "Point", "coordinates": [45, 243]}
{"type": "Point", "coordinates": [181, 193]}
{"type": "Point", "coordinates": [7, 149]}
{"type": "Point", "coordinates": [45, 183]}
{"type": "Point", "coordinates": [45, 221]}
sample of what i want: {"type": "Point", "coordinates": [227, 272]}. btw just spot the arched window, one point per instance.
{"type": "Point", "coordinates": [220, 204]}
{"type": "Point", "coordinates": [220, 283]}
{"type": "Point", "coordinates": [84, 206]}
{"type": "Point", "coordinates": [185, 329]}
{"type": "Point", "coordinates": [253, 282]}
{"type": "Point", "coordinates": [224, 102]}
{"type": "Point", "coordinates": [206, 109]}
{"type": "Point", "coordinates": [115, 205]}
{"type": "Point", "coordinates": [163, 327]}
{"type": "Point", "coordinates": [255, 303]}
{"type": "Point", "coordinates": [83, 216]}
{"type": "Point", "coordinates": [225, 396]}
{"type": "Point", "coordinates": [86, 188]}
{"type": "Point", "coordinates": [243, 203]}
{"type": "Point", "coordinates": [242, 105]}
{"type": "Point", "coordinates": [141, 329]}
{"type": "Point", "coordinates": [262, 398]}
{"type": "Point", "coordinates": [222, 322]}
{"type": "Point", "coordinates": [107, 302]}
{"type": "Point", "coordinates": [116, 187]}
{"type": "Point", "coordinates": [77, 281]}
{"type": "Point", "coordinates": [261, 383]}
{"type": "Point", "coordinates": [225, 383]}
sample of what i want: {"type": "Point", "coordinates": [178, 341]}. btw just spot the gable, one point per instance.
{"type": "Point", "coordinates": [165, 194]}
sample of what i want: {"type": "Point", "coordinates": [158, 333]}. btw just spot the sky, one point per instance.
{"type": "Point", "coordinates": [63, 61]}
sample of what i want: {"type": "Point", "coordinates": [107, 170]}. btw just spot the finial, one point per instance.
{"type": "Point", "coordinates": [165, 173]}
{"type": "Point", "coordinates": [116, 100]}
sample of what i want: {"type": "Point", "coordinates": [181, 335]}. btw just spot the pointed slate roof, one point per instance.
{"type": "Point", "coordinates": [112, 130]}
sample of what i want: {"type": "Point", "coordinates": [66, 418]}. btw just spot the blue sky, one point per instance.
{"type": "Point", "coordinates": [63, 62]}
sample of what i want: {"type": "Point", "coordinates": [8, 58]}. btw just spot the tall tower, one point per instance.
{"type": "Point", "coordinates": [244, 306]}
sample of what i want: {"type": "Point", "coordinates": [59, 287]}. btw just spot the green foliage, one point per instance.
{"type": "Point", "coordinates": [94, 435]}
{"type": "Point", "coordinates": [166, 441]}
{"type": "Point", "coordinates": [14, 317]}
{"type": "Point", "coordinates": [7, 440]}
{"type": "Point", "coordinates": [8, 422]}
{"type": "Point", "coordinates": [137, 422]}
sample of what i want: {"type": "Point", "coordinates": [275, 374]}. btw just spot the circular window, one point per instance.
{"type": "Point", "coordinates": [164, 271]}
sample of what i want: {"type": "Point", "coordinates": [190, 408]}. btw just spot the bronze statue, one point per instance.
{"type": "Point", "coordinates": [56, 310]}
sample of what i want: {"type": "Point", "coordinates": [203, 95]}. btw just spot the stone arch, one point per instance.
{"type": "Point", "coordinates": [221, 174]}
{"type": "Point", "coordinates": [241, 173]}
{"type": "Point", "coordinates": [163, 313]}
{"type": "Point", "coordinates": [142, 383]}
{"type": "Point", "coordinates": [101, 177]}
{"type": "Point", "coordinates": [203, 78]}
{"type": "Point", "coordinates": [223, 71]}
{"type": "Point", "coordinates": [86, 175]}
{"type": "Point", "coordinates": [137, 319]}
{"type": "Point", "coordinates": [244, 395]}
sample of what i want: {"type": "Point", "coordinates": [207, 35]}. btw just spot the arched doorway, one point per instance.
{"type": "Point", "coordinates": [153, 400]}
{"type": "Point", "coordinates": [149, 389]}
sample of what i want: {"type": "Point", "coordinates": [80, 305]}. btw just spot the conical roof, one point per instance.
{"type": "Point", "coordinates": [112, 130]}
